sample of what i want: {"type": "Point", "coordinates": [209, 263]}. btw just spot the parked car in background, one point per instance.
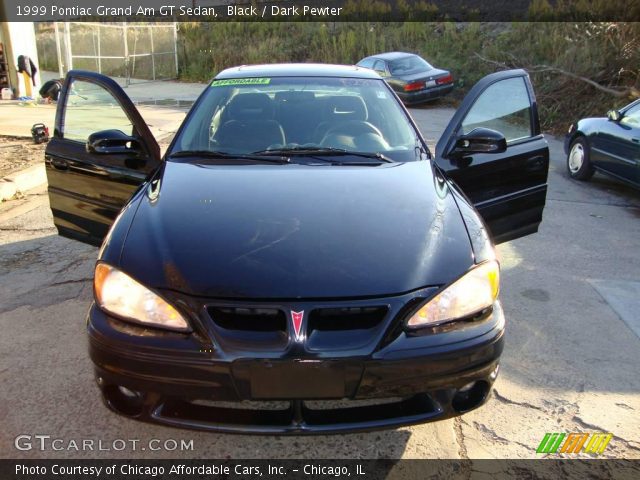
{"type": "Point", "coordinates": [297, 244]}
{"type": "Point", "coordinates": [413, 78]}
{"type": "Point", "coordinates": [610, 145]}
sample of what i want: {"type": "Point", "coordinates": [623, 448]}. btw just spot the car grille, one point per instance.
{"type": "Point", "coordinates": [300, 417]}
{"type": "Point", "coordinates": [330, 328]}
{"type": "Point", "coordinates": [250, 328]}
{"type": "Point", "coordinates": [249, 319]}
{"type": "Point", "coordinates": [343, 328]}
{"type": "Point", "coordinates": [340, 319]}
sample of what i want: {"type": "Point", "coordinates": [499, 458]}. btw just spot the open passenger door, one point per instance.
{"type": "Point", "coordinates": [100, 153]}
{"type": "Point", "coordinates": [494, 151]}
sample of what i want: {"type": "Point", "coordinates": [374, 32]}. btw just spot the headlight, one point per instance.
{"type": "Point", "coordinates": [121, 295]}
{"type": "Point", "coordinates": [470, 294]}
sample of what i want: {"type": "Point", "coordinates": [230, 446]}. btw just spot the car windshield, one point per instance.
{"type": "Point", "coordinates": [298, 116]}
{"type": "Point", "coordinates": [409, 65]}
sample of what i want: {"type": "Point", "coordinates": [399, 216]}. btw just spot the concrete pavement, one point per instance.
{"type": "Point", "coordinates": [162, 104]}
{"type": "Point", "coordinates": [22, 181]}
{"type": "Point", "coordinates": [147, 90]}
{"type": "Point", "coordinates": [16, 118]}
{"type": "Point", "coordinates": [570, 361]}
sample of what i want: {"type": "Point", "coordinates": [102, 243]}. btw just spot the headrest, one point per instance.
{"type": "Point", "coordinates": [347, 108]}
{"type": "Point", "coordinates": [250, 106]}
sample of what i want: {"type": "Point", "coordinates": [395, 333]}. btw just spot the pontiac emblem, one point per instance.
{"type": "Point", "coordinates": [297, 322]}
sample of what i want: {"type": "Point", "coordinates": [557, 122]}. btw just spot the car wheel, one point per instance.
{"type": "Point", "coordinates": [578, 162]}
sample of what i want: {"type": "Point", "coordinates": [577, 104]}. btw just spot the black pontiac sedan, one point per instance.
{"type": "Point", "coordinates": [298, 261]}
{"type": "Point", "coordinates": [412, 78]}
{"type": "Point", "coordinates": [609, 145]}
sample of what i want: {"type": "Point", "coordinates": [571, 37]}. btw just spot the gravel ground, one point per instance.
{"type": "Point", "coordinates": [18, 153]}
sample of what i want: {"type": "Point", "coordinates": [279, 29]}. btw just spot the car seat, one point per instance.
{"type": "Point", "coordinates": [248, 124]}
{"type": "Point", "coordinates": [297, 112]}
{"type": "Point", "coordinates": [340, 109]}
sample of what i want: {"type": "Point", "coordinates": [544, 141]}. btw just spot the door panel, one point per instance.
{"type": "Point", "coordinates": [508, 188]}
{"type": "Point", "coordinates": [616, 147]}
{"type": "Point", "coordinates": [88, 190]}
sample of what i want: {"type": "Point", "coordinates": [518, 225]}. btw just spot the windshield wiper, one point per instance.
{"type": "Point", "coordinates": [214, 154]}
{"type": "Point", "coordinates": [317, 152]}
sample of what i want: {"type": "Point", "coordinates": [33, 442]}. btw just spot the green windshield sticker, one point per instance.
{"type": "Point", "coordinates": [240, 81]}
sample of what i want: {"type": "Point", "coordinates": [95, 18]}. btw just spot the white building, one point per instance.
{"type": "Point", "coordinates": [17, 38]}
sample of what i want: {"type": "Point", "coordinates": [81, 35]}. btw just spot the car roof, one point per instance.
{"type": "Point", "coordinates": [393, 55]}
{"type": "Point", "coordinates": [297, 70]}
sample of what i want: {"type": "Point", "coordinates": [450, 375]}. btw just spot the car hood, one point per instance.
{"type": "Point", "coordinates": [296, 231]}
{"type": "Point", "coordinates": [592, 121]}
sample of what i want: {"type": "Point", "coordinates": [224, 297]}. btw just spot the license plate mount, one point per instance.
{"type": "Point", "coordinates": [308, 379]}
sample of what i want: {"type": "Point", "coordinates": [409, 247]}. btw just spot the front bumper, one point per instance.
{"type": "Point", "coordinates": [179, 380]}
{"type": "Point", "coordinates": [419, 96]}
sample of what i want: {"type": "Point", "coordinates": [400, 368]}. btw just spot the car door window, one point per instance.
{"type": "Point", "coordinates": [380, 67]}
{"type": "Point", "coordinates": [366, 63]}
{"type": "Point", "coordinates": [505, 107]}
{"type": "Point", "coordinates": [90, 108]}
{"type": "Point", "coordinates": [632, 117]}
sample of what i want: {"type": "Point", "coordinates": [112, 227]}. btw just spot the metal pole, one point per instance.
{"type": "Point", "coordinates": [56, 31]}
{"type": "Point", "coordinates": [175, 44]}
{"type": "Point", "coordinates": [135, 51]}
{"type": "Point", "coordinates": [126, 54]}
{"type": "Point", "coordinates": [153, 56]}
{"type": "Point", "coordinates": [67, 46]}
{"type": "Point", "coordinates": [99, 50]}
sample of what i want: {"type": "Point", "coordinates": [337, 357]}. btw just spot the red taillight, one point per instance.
{"type": "Point", "coordinates": [410, 87]}
{"type": "Point", "coordinates": [445, 79]}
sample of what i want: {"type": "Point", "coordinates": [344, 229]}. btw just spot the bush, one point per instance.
{"type": "Point", "coordinates": [607, 53]}
{"type": "Point", "coordinates": [556, 54]}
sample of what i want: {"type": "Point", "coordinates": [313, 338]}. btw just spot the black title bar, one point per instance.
{"type": "Point", "coordinates": [318, 10]}
{"type": "Point", "coordinates": [316, 469]}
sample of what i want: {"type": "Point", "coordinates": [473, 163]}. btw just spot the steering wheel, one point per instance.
{"type": "Point", "coordinates": [353, 128]}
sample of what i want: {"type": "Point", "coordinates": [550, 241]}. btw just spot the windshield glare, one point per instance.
{"type": "Point", "coordinates": [243, 116]}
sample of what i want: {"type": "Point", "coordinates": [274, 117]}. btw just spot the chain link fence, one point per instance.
{"type": "Point", "coordinates": [134, 52]}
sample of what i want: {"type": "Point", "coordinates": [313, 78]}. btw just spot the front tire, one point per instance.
{"type": "Point", "coordinates": [578, 160]}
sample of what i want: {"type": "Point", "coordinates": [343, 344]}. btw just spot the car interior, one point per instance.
{"type": "Point", "coordinates": [256, 121]}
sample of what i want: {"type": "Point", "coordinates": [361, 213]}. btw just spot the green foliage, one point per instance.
{"type": "Point", "coordinates": [583, 10]}
{"type": "Point", "coordinates": [604, 52]}
{"type": "Point", "coordinates": [608, 53]}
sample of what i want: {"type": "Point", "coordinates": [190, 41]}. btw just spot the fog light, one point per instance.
{"type": "Point", "coordinates": [493, 375]}
{"type": "Point", "coordinates": [127, 393]}
{"type": "Point", "coordinates": [470, 396]}
{"type": "Point", "coordinates": [466, 387]}
{"type": "Point", "coordinates": [124, 400]}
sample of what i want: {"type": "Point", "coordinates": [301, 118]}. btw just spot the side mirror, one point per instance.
{"type": "Point", "coordinates": [613, 115]}
{"type": "Point", "coordinates": [110, 142]}
{"type": "Point", "coordinates": [480, 140]}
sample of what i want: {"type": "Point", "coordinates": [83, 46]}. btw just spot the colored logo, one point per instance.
{"type": "Point", "coordinates": [297, 322]}
{"type": "Point", "coordinates": [594, 443]}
